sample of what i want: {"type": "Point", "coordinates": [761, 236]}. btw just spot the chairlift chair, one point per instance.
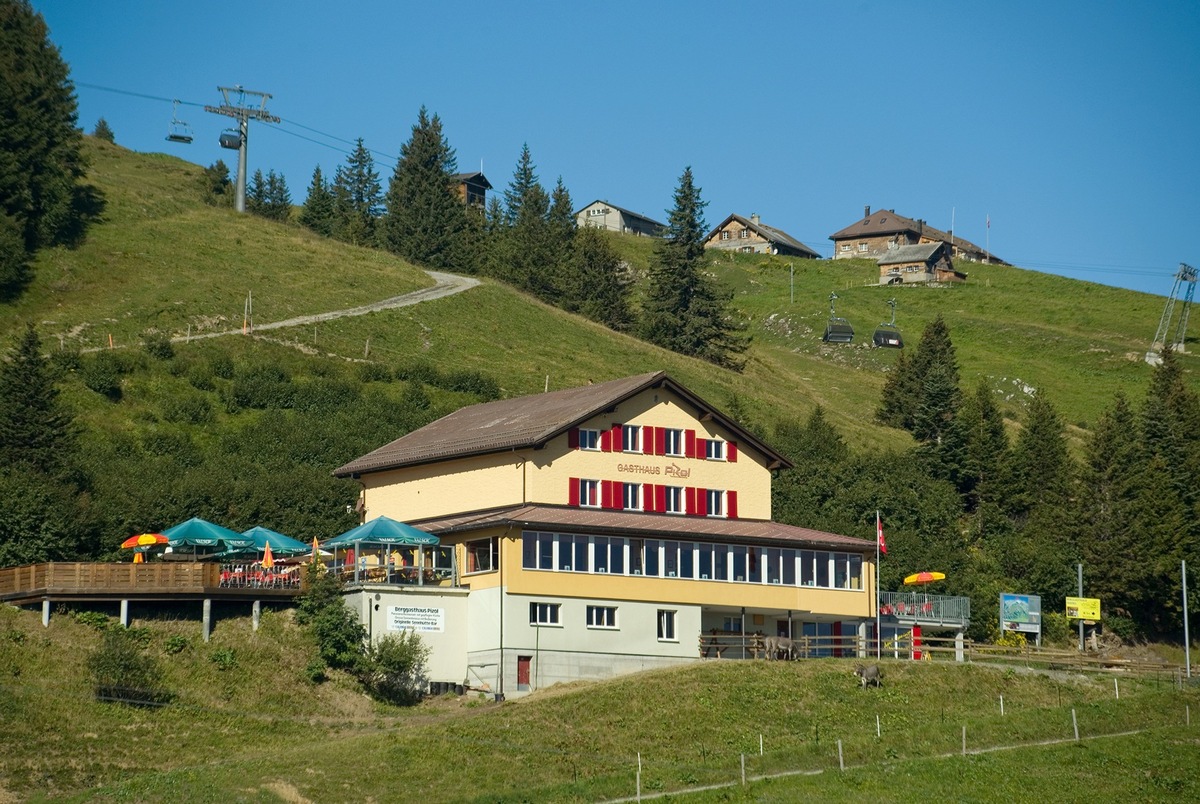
{"type": "Point", "coordinates": [838, 330]}
{"type": "Point", "coordinates": [179, 131]}
{"type": "Point", "coordinates": [887, 336]}
{"type": "Point", "coordinates": [231, 138]}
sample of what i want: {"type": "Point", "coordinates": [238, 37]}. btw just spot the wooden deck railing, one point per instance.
{"type": "Point", "coordinates": [102, 579]}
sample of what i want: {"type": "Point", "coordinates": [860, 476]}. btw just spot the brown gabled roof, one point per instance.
{"type": "Point", "coordinates": [637, 524]}
{"type": "Point", "coordinates": [917, 252]}
{"type": "Point", "coordinates": [886, 221]}
{"type": "Point", "coordinates": [768, 233]}
{"type": "Point", "coordinates": [477, 177]}
{"type": "Point", "coordinates": [529, 422]}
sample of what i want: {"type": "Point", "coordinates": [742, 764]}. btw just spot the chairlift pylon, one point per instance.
{"type": "Point", "coordinates": [887, 336]}
{"type": "Point", "coordinates": [838, 330]}
{"type": "Point", "coordinates": [179, 131]}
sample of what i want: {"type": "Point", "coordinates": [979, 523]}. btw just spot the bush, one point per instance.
{"type": "Point", "coordinates": [338, 633]}
{"type": "Point", "coordinates": [93, 619]}
{"type": "Point", "coordinates": [1124, 627]}
{"type": "Point", "coordinates": [122, 672]}
{"type": "Point", "coordinates": [394, 668]}
{"type": "Point", "coordinates": [222, 366]}
{"type": "Point", "coordinates": [421, 371]}
{"type": "Point", "coordinates": [102, 374]}
{"type": "Point", "coordinates": [324, 394]}
{"type": "Point", "coordinates": [1056, 628]}
{"type": "Point", "coordinates": [188, 409]}
{"type": "Point", "coordinates": [158, 346]}
{"type": "Point", "coordinates": [263, 387]}
{"type": "Point", "coordinates": [225, 659]}
{"type": "Point", "coordinates": [176, 643]}
{"type": "Point", "coordinates": [374, 372]}
{"type": "Point", "coordinates": [472, 382]}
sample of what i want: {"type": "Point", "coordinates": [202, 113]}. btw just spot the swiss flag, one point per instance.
{"type": "Point", "coordinates": [879, 533]}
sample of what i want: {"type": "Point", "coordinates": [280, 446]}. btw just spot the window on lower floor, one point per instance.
{"type": "Point", "coordinates": [631, 438]}
{"type": "Point", "coordinates": [863, 247]}
{"type": "Point", "coordinates": [844, 247]}
{"type": "Point", "coordinates": [732, 624]}
{"type": "Point", "coordinates": [543, 613]}
{"type": "Point", "coordinates": [716, 501]}
{"type": "Point", "coordinates": [602, 616]}
{"type": "Point", "coordinates": [666, 626]}
{"type": "Point", "coordinates": [632, 494]}
{"type": "Point", "coordinates": [673, 442]}
{"type": "Point", "coordinates": [589, 493]}
{"type": "Point", "coordinates": [483, 555]}
{"type": "Point", "coordinates": [674, 500]}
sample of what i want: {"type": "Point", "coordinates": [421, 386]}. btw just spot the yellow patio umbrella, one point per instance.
{"type": "Point", "coordinates": [268, 561]}
{"type": "Point", "coordinates": [922, 578]}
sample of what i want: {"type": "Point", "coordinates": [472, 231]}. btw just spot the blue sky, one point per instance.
{"type": "Point", "coordinates": [1073, 125]}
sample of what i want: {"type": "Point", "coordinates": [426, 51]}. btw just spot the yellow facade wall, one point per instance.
{"type": "Point", "coordinates": [448, 487]}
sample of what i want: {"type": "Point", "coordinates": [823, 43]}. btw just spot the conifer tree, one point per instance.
{"type": "Point", "coordinates": [523, 181]}
{"type": "Point", "coordinates": [904, 391]}
{"type": "Point", "coordinates": [597, 282]}
{"type": "Point", "coordinates": [277, 201]}
{"type": "Point", "coordinates": [426, 221]}
{"type": "Point", "coordinates": [40, 161]}
{"type": "Point", "coordinates": [317, 213]}
{"type": "Point", "coordinates": [975, 449]}
{"type": "Point", "coordinates": [35, 432]}
{"type": "Point", "coordinates": [256, 194]}
{"type": "Point", "coordinates": [103, 131]}
{"type": "Point", "coordinates": [685, 310]}
{"type": "Point", "coordinates": [357, 198]}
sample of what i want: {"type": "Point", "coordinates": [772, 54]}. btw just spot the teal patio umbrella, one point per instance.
{"type": "Point", "coordinates": [198, 532]}
{"type": "Point", "coordinates": [383, 530]}
{"type": "Point", "coordinates": [280, 545]}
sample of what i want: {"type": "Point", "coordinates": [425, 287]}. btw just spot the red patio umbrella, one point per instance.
{"type": "Point", "coordinates": [144, 540]}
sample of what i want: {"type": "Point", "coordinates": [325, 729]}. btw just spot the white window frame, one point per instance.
{"type": "Point", "coordinates": [666, 625]}
{"type": "Point", "coordinates": [631, 497]}
{"type": "Point", "coordinates": [844, 247]}
{"type": "Point", "coordinates": [725, 235]}
{"type": "Point", "coordinates": [589, 490]}
{"type": "Point", "coordinates": [602, 617]}
{"type": "Point", "coordinates": [673, 443]}
{"type": "Point", "coordinates": [715, 499]}
{"type": "Point", "coordinates": [493, 554]}
{"type": "Point", "coordinates": [864, 247]}
{"type": "Point", "coordinates": [631, 438]}
{"type": "Point", "coordinates": [589, 439]}
{"type": "Point", "coordinates": [715, 450]}
{"type": "Point", "coordinates": [545, 615]}
{"type": "Point", "coordinates": [743, 234]}
{"type": "Point", "coordinates": [676, 500]}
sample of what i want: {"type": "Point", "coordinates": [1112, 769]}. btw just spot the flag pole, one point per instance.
{"type": "Point", "coordinates": [878, 628]}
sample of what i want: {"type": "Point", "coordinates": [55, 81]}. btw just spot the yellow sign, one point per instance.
{"type": "Point", "coordinates": [1083, 608]}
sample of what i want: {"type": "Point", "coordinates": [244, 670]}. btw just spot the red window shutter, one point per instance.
{"type": "Point", "coordinates": [618, 495]}
{"type": "Point", "coordinates": [660, 499]}
{"type": "Point", "coordinates": [648, 497]}
{"type": "Point", "coordinates": [690, 494]}
{"type": "Point", "coordinates": [701, 502]}
{"type": "Point", "coordinates": [731, 451]}
{"type": "Point", "coordinates": [702, 448]}
{"type": "Point", "coordinates": [617, 443]}
{"type": "Point", "coordinates": [573, 494]}
{"type": "Point", "coordinates": [573, 438]}
{"type": "Point", "coordinates": [660, 441]}
{"type": "Point", "coordinates": [689, 444]}
{"type": "Point", "coordinates": [648, 440]}
{"type": "Point", "coordinates": [731, 504]}
{"type": "Point", "coordinates": [606, 440]}
{"type": "Point", "coordinates": [606, 494]}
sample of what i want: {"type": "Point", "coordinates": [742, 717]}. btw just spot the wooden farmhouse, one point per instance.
{"type": "Point", "coordinates": [602, 530]}
{"type": "Point", "coordinates": [612, 218]}
{"type": "Point", "coordinates": [751, 236]}
{"type": "Point", "coordinates": [472, 188]}
{"type": "Point", "coordinates": [879, 231]}
{"type": "Point", "coordinates": [926, 262]}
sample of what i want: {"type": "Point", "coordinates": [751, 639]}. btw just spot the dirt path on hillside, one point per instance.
{"type": "Point", "coordinates": [446, 285]}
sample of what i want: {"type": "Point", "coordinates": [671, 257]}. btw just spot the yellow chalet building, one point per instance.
{"type": "Point", "coordinates": [596, 531]}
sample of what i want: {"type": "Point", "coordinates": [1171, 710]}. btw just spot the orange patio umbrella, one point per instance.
{"type": "Point", "coordinates": [268, 561]}
{"type": "Point", "coordinates": [922, 578]}
{"type": "Point", "coordinates": [144, 540]}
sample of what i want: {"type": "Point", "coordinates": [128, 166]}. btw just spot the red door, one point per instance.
{"type": "Point", "coordinates": [523, 663]}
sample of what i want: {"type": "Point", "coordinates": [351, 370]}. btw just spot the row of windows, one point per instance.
{"type": "Point", "coordinates": [655, 498]}
{"type": "Point", "coordinates": [737, 563]}
{"type": "Point", "coordinates": [743, 234]}
{"type": "Point", "coordinates": [646, 440]}
{"type": "Point", "coordinates": [864, 247]}
{"type": "Point", "coordinates": [549, 614]}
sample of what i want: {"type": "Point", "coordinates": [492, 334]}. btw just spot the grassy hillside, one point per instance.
{"type": "Point", "coordinates": [163, 260]}
{"type": "Point", "coordinates": [248, 725]}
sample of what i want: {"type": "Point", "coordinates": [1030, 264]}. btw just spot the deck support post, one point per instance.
{"type": "Point", "coordinates": [207, 619]}
{"type": "Point", "coordinates": [125, 613]}
{"type": "Point", "coordinates": [45, 612]}
{"type": "Point", "coordinates": [256, 613]}
{"type": "Point", "coordinates": [864, 634]}
{"type": "Point", "coordinates": [958, 646]}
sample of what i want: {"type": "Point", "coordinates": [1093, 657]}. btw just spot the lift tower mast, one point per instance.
{"type": "Point", "coordinates": [1186, 273]}
{"type": "Point", "coordinates": [243, 114]}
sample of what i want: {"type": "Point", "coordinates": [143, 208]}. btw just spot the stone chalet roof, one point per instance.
{"type": "Point", "coordinates": [886, 221]}
{"type": "Point", "coordinates": [531, 422]}
{"type": "Point", "coordinates": [918, 252]}
{"type": "Point", "coordinates": [479, 178]}
{"type": "Point", "coordinates": [637, 524]}
{"type": "Point", "coordinates": [626, 212]}
{"type": "Point", "coordinates": [768, 233]}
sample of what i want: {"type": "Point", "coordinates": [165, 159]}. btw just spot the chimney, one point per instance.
{"type": "Point", "coordinates": [754, 219]}
{"type": "Point", "coordinates": [867, 211]}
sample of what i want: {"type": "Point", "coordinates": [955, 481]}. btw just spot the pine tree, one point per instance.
{"type": "Point", "coordinates": [317, 213]}
{"type": "Point", "coordinates": [35, 433]}
{"type": "Point", "coordinates": [357, 198]}
{"type": "Point", "coordinates": [524, 251]}
{"type": "Point", "coordinates": [103, 131]}
{"type": "Point", "coordinates": [256, 194]}
{"type": "Point", "coordinates": [277, 201]}
{"type": "Point", "coordinates": [598, 283]}
{"type": "Point", "coordinates": [904, 393]}
{"type": "Point", "coordinates": [426, 221]}
{"type": "Point", "coordinates": [523, 181]}
{"type": "Point", "coordinates": [40, 161]}
{"type": "Point", "coordinates": [685, 310]}
{"type": "Point", "coordinates": [216, 187]}
{"type": "Point", "coordinates": [975, 448]}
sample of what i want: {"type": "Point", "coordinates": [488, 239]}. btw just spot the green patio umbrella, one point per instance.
{"type": "Point", "coordinates": [280, 545]}
{"type": "Point", "coordinates": [383, 530]}
{"type": "Point", "coordinates": [198, 532]}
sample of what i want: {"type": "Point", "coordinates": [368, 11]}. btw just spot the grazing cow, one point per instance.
{"type": "Point", "coordinates": [869, 674]}
{"type": "Point", "coordinates": [780, 648]}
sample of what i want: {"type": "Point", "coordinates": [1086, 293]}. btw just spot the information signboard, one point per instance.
{"type": "Point", "coordinates": [1021, 613]}
{"type": "Point", "coordinates": [1083, 608]}
{"type": "Point", "coordinates": [416, 618]}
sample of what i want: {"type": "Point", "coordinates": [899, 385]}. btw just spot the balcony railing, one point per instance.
{"type": "Point", "coordinates": [923, 609]}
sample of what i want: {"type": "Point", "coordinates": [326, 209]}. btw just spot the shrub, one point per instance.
{"type": "Point", "coordinates": [394, 668]}
{"type": "Point", "coordinates": [102, 374]}
{"type": "Point", "coordinates": [222, 366]}
{"type": "Point", "coordinates": [472, 382]}
{"type": "Point", "coordinates": [324, 394]}
{"type": "Point", "coordinates": [201, 376]}
{"type": "Point", "coordinates": [123, 673]}
{"type": "Point", "coordinates": [421, 371]}
{"type": "Point", "coordinates": [176, 643]}
{"type": "Point", "coordinates": [263, 387]}
{"type": "Point", "coordinates": [225, 659]}
{"type": "Point", "coordinates": [338, 633]}
{"type": "Point", "coordinates": [94, 619]}
{"type": "Point", "coordinates": [374, 372]}
{"type": "Point", "coordinates": [158, 346]}
{"type": "Point", "coordinates": [1124, 627]}
{"type": "Point", "coordinates": [188, 409]}
{"type": "Point", "coordinates": [1056, 628]}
